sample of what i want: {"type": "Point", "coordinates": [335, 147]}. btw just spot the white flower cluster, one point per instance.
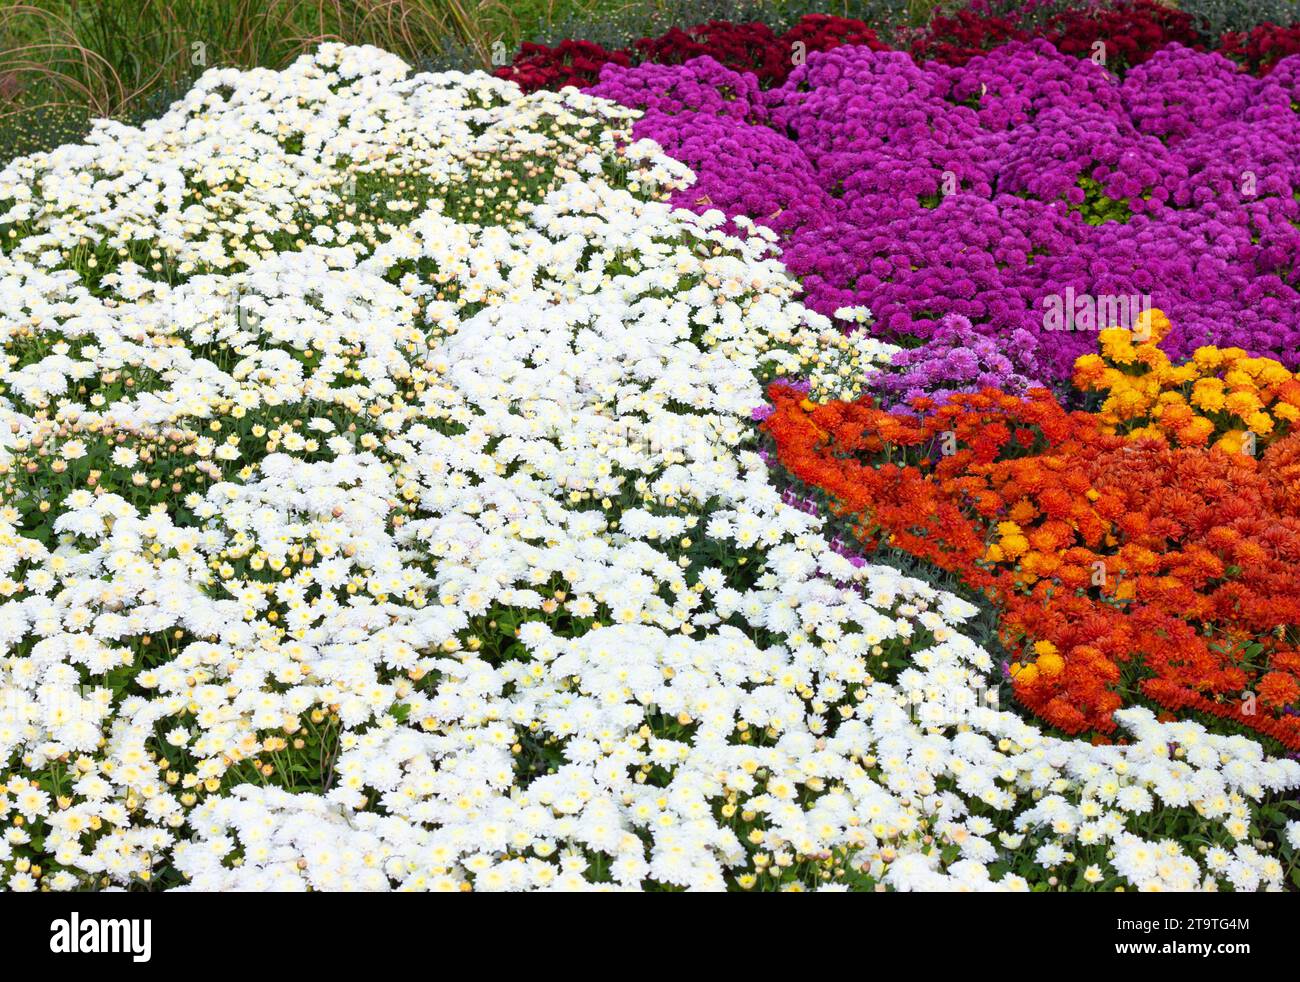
{"type": "Point", "coordinates": [421, 541]}
{"type": "Point", "coordinates": [838, 365]}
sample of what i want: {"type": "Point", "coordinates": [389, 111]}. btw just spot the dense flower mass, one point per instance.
{"type": "Point", "coordinates": [1242, 404]}
{"type": "Point", "coordinates": [1120, 35]}
{"type": "Point", "coordinates": [1120, 564]}
{"type": "Point", "coordinates": [383, 508]}
{"type": "Point", "coordinates": [957, 359]}
{"type": "Point", "coordinates": [1262, 47]}
{"type": "Point", "coordinates": [1000, 190]}
{"type": "Point", "coordinates": [753, 48]}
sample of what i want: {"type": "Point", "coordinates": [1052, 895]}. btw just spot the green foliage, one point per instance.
{"type": "Point", "coordinates": [1217, 16]}
{"type": "Point", "coordinates": [1097, 208]}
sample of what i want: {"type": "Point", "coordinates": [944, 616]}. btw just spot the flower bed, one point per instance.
{"type": "Point", "coordinates": [1121, 35]}
{"type": "Point", "coordinates": [1121, 564]}
{"type": "Point", "coordinates": [753, 48]}
{"type": "Point", "coordinates": [1124, 35]}
{"type": "Point", "coordinates": [1005, 188]}
{"type": "Point", "coordinates": [384, 508]}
